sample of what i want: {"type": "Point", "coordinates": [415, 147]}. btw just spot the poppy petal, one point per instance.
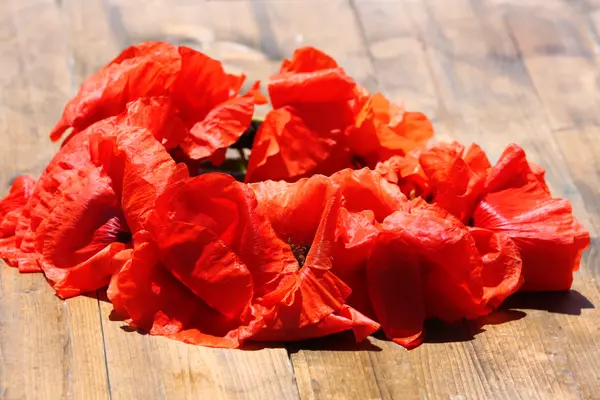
{"type": "Point", "coordinates": [144, 70]}
{"type": "Point", "coordinates": [222, 127]}
{"type": "Point", "coordinates": [395, 284]}
{"type": "Point", "coordinates": [383, 130]}
{"type": "Point", "coordinates": [20, 192]}
{"type": "Point", "coordinates": [152, 299]}
{"type": "Point", "coordinates": [282, 137]}
{"type": "Point", "coordinates": [549, 238]}
{"type": "Point", "coordinates": [502, 265]}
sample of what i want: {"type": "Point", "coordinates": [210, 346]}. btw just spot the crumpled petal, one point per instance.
{"type": "Point", "coordinates": [445, 174]}
{"type": "Point", "coordinates": [310, 76]}
{"type": "Point", "coordinates": [78, 238]}
{"type": "Point", "coordinates": [140, 169]}
{"type": "Point", "coordinates": [69, 159]}
{"type": "Point", "coordinates": [367, 199]}
{"type": "Point", "coordinates": [383, 130]}
{"type": "Point", "coordinates": [152, 299]}
{"type": "Point", "coordinates": [195, 99]}
{"type": "Point", "coordinates": [286, 148]}
{"type": "Point", "coordinates": [221, 127]}
{"type": "Point", "coordinates": [501, 274]}
{"type": "Point", "coordinates": [513, 171]}
{"type": "Point", "coordinates": [20, 192]}
{"type": "Point", "coordinates": [305, 214]}
{"type": "Point", "coordinates": [425, 263]}
{"type": "Point", "coordinates": [144, 70]}
{"type": "Point", "coordinates": [455, 186]}
{"type": "Point", "coordinates": [549, 238]}
{"type": "Point", "coordinates": [395, 283]}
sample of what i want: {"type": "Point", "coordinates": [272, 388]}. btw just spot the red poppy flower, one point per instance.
{"type": "Point", "coordinates": [367, 199]}
{"type": "Point", "coordinates": [304, 133]}
{"type": "Point", "coordinates": [202, 96]}
{"type": "Point", "coordinates": [71, 158]}
{"type": "Point", "coordinates": [11, 211]}
{"type": "Point", "coordinates": [82, 232]}
{"type": "Point", "coordinates": [518, 204]}
{"type": "Point", "coordinates": [147, 69]}
{"type": "Point", "coordinates": [20, 192]}
{"type": "Point", "coordinates": [324, 122]}
{"type": "Point", "coordinates": [207, 237]}
{"type": "Point", "coordinates": [382, 130]}
{"type": "Point", "coordinates": [445, 174]}
{"type": "Point", "coordinates": [426, 263]}
{"type": "Point", "coordinates": [305, 214]}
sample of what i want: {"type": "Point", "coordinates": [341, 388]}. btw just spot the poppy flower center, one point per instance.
{"type": "Point", "coordinates": [123, 237]}
{"type": "Point", "coordinates": [358, 162]}
{"type": "Point", "coordinates": [300, 252]}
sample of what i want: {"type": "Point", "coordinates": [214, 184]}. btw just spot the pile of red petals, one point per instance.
{"type": "Point", "coordinates": [348, 219]}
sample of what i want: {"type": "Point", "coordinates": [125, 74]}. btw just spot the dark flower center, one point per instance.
{"type": "Point", "coordinates": [300, 252]}
{"type": "Point", "coordinates": [123, 237]}
{"type": "Point", "coordinates": [358, 162]}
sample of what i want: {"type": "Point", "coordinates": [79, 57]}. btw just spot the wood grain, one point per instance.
{"type": "Point", "coordinates": [485, 94]}
{"type": "Point", "coordinates": [490, 71]}
{"type": "Point", "coordinates": [49, 349]}
{"type": "Point", "coordinates": [142, 366]}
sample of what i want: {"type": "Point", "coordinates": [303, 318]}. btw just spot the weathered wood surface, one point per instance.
{"type": "Point", "coordinates": [490, 71]}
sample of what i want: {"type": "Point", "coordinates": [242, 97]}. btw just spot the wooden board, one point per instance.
{"type": "Point", "coordinates": [490, 71]}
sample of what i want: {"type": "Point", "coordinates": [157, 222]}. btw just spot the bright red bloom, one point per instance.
{"type": "Point", "coordinates": [20, 191]}
{"type": "Point", "coordinates": [305, 214]}
{"type": "Point", "coordinates": [426, 263]}
{"type": "Point", "coordinates": [518, 204]}
{"type": "Point", "coordinates": [367, 199]}
{"type": "Point", "coordinates": [11, 211]}
{"type": "Point", "coordinates": [147, 69]}
{"type": "Point", "coordinates": [324, 122]}
{"type": "Point", "coordinates": [205, 108]}
{"type": "Point", "coordinates": [445, 174]}
{"type": "Point", "coordinates": [207, 237]}
{"type": "Point", "coordinates": [70, 225]}
{"type": "Point", "coordinates": [382, 130]}
{"type": "Point", "coordinates": [304, 133]}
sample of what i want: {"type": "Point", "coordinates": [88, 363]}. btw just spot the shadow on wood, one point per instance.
{"type": "Point", "coordinates": [343, 341]}
{"type": "Point", "coordinates": [569, 302]}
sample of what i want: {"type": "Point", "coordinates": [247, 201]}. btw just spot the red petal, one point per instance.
{"type": "Point", "coordinates": [221, 128]}
{"type": "Point", "coordinates": [502, 265]}
{"type": "Point", "coordinates": [330, 85]}
{"type": "Point", "coordinates": [512, 171]}
{"type": "Point", "coordinates": [549, 238]}
{"type": "Point", "coordinates": [456, 187]}
{"type": "Point", "coordinates": [20, 192]}
{"type": "Point", "coordinates": [307, 59]}
{"type": "Point", "coordinates": [383, 130]}
{"type": "Point", "coordinates": [366, 190]}
{"type": "Point", "coordinates": [141, 71]}
{"type": "Point", "coordinates": [201, 85]}
{"type": "Point", "coordinates": [286, 148]}
{"type": "Point", "coordinates": [449, 258]}
{"type": "Point", "coordinates": [140, 169]}
{"type": "Point", "coordinates": [153, 300]}
{"type": "Point", "coordinates": [84, 222]}
{"type": "Point", "coordinates": [395, 280]}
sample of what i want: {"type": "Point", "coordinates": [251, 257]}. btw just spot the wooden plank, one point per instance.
{"type": "Point", "coordinates": [143, 366]}
{"type": "Point", "coordinates": [553, 36]}
{"type": "Point", "coordinates": [330, 368]}
{"type": "Point", "coordinates": [581, 147]}
{"type": "Point", "coordinates": [49, 349]}
{"type": "Point", "coordinates": [402, 65]}
{"type": "Point", "coordinates": [486, 95]}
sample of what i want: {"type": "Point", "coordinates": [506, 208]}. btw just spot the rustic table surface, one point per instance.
{"type": "Point", "coordinates": [489, 71]}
